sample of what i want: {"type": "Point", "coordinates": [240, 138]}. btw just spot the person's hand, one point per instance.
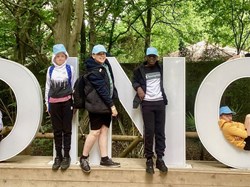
{"type": "Point", "coordinates": [140, 93]}
{"type": "Point", "coordinates": [237, 138]}
{"type": "Point", "coordinates": [47, 110]}
{"type": "Point", "coordinates": [114, 111]}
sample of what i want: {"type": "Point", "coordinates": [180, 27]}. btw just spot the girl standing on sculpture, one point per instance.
{"type": "Point", "coordinates": [60, 79]}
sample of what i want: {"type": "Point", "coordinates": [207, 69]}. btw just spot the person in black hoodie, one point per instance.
{"type": "Point", "coordinates": [148, 83]}
{"type": "Point", "coordinates": [101, 77]}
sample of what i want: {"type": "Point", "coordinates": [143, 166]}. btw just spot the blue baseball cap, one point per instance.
{"type": "Point", "coordinates": [226, 110]}
{"type": "Point", "coordinates": [98, 48]}
{"type": "Point", "coordinates": [59, 48]}
{"type": "Point", "coordinates": [152, 51]}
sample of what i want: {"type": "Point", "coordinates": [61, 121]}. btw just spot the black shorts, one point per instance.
{"type": "Point", "coordinates": [97, 120]}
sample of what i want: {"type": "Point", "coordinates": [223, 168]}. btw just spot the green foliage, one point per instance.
{"type": "Point", "coordinates": [42, 147]}
{"type": "Point", "coordinates": [227, 22]}
{"type": "Point", "coordinates": [7, 104]}
{"type": "Point", "coordinates": [195, 74]}
{"type": "Point", "coordinates": [190, 122]}
{"type": "Point", "coordinates": [236, 96]}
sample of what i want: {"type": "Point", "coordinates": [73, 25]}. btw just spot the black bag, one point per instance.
{"type": "Point", "coordinates": [93, 102]}
{"type": "Point", "coordinates": [78, 93]}
{"type": "Point", "coordinates": [85, 96]}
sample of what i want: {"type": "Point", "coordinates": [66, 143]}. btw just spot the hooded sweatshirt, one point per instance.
{"type": "Point", "coordinates": [102, 80]}
{"type": "Point", "coordinates": [58, 85]}
{"type": "Point", "coordinates": [234, 132]}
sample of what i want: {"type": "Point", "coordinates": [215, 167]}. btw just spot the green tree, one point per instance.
{"type": "Point", "coordinates": [227, 21]}
{"type": "Point", "coordinates": [36, 25]}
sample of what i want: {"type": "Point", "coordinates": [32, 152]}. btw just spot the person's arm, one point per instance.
{"type": "Point", "coordinates": [47, 87]}
{"type": "Point", "coordinates": [234, 130]}
{"type": "Point", "coordinates": [1, 121]}
{"type": "Point", "coordinates": [136, 84]}
{"type": "Point", "coordinates": [135, 79]}
{"type": "Point", "coordinates": [73, 78]}
{"type": "Point", "coordinates": [240, 125]}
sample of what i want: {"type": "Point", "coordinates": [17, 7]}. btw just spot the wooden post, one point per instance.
{"type": "Point", "coordinates": [133, 144]}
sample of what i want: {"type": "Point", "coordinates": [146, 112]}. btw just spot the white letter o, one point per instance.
{"type": "Point", "coordinates": [29, 108]}
{"type": "Point", "coordinates": [207, 112]}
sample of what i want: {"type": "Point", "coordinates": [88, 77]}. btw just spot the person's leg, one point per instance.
{"type": "Point", "coordinates": [56, 120]}
{"type": "Point", "coordinates": [67, 132]}
{"type": "Point", "coordinates": [103, 141]}
{"type": "Point", "coordinates": [105, 120]}
{"type": "Point", "coordinates": [148, 119]}
{"type": "Point", "coordinates": [247, 124]}
{"type": "Point", "coordinates": [160, 138]}
{"type": "Point", "coordinates": [92, 137]}
{"type": "Point", "coordinates": [67, 126]}
{"type": "Point", "coordinates": [90, 141]}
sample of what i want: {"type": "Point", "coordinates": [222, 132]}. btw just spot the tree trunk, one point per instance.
{"type": "Point", "coordinates": [83, 43]}
{"type": "Point", "coordinates": [77, 26]}
{"type": "Point", "coordinates": [111, 34]}
{"type": "Point", "coordinates": [148, 25]}
{"type": "Point", "coordinates": [65, 30]}
{"type": "Point", "coordinates": [92, 30]}
{"type": "Point", "coordinates": [20, 35]}
{"type": "Point", "coordinates": [62, 26]}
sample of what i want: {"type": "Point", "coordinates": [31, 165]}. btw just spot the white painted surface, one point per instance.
{"type": "Point", "coordinates": [207, 112]}
{"type": "Point", "coordinates": [29, 108]}
{"type": "Point", "coordinates": [175, 87]}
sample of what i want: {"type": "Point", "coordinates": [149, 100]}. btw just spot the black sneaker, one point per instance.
{"type": "Point", "coordinates": [65, 163]}
{"type": "Point", "coordinates": [57, 163]}
{"type": "Point", "coordinates": [84, 164]}
{"type": "Point", "coordinates": [109, 163]}
{"type": "Point", "coordinates": [150, 166]}
{"type": "Point", "coordinates": [161, 165]}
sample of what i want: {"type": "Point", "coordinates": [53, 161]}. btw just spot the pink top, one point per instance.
{"type": "Point", "coordinates": [59, 100]}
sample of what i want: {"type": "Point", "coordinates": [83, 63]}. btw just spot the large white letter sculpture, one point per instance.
{"type": "Point", "coordinates": [207, 112]}
{"type": "Point", "coordinates": [29, 107]}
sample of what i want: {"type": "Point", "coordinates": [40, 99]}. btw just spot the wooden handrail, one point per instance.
{"type": "Point", "coordinates": [129, 138]}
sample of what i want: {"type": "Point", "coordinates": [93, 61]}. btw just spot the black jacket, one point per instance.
{"type": "Point", "coordinates": [139, 80]}
{"type": "Point", "coordinates": [100, 80]}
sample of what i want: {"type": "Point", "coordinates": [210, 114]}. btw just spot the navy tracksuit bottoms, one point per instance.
{"type": "Point", "coordinates": [153, 113]}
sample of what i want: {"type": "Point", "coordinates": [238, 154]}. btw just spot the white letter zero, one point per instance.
{"type": "Point", "coordinates": [207, 112]}
{"type": "Point", "coordinates": [29, 107]}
